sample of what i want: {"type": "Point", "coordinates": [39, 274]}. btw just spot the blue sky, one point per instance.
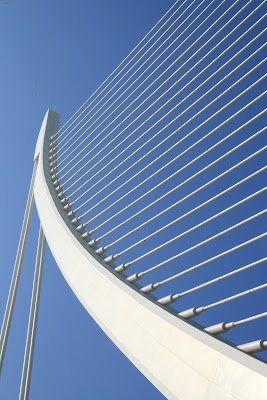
{"type": "Point", "coordinates": [58, 53]}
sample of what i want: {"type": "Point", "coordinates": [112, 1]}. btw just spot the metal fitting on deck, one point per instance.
{"type": "Point", "coordinates": [102, 249]}
{"type": "Point", "coordinates": [77, 219]}
{"type": "Point", "coordinates": [191, 312]}
{"type": "Point", "coordinates": [150, 288]}
{"type": "Point", "coordinates": [87, 234]}
{"type": "Point", "coordinates": [135, 277]}
{"type": "Point", "coordinates": [167, 300]}
{"type": "Point", "coordinates": [58, 188]}
{"type": "Point", "coordinates": [93, 242]}
{"type": "Point", "coordinates": [71, 213]}
{"type": "Point", "coordinates": [253, 347]}
{"type": "Point", "coordinates": [122, 267]}
{"type": "Point", "coordinates": [218, 328]}
{"type": "Point", "coordinates": [111, 258]}
{"type": "Point", "coordinates": [80, 227]}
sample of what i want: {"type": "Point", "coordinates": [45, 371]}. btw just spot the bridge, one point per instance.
{"type": "Point", "coordinates": [152, 199]}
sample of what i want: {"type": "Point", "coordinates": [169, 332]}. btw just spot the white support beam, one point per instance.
{"type": "Point", "coordinates": [17, 271]}
{"type": "Point", "coordinates": [33, 317]}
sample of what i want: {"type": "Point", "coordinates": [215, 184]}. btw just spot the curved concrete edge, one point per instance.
{"type": "Point", "coordinates": [50, 124]}
{"type": "Point", "coordinates": [182, 361]}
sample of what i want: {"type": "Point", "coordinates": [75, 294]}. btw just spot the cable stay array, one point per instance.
{"type": "Point", "coordinates": [162, 170]}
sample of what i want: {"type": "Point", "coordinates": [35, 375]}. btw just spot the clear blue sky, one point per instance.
{"type": "Point", "coordinates": [58, 52]}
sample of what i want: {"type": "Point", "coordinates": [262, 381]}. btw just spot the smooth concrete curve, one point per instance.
{"type": "Point", "coordinates": [181, 360]}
